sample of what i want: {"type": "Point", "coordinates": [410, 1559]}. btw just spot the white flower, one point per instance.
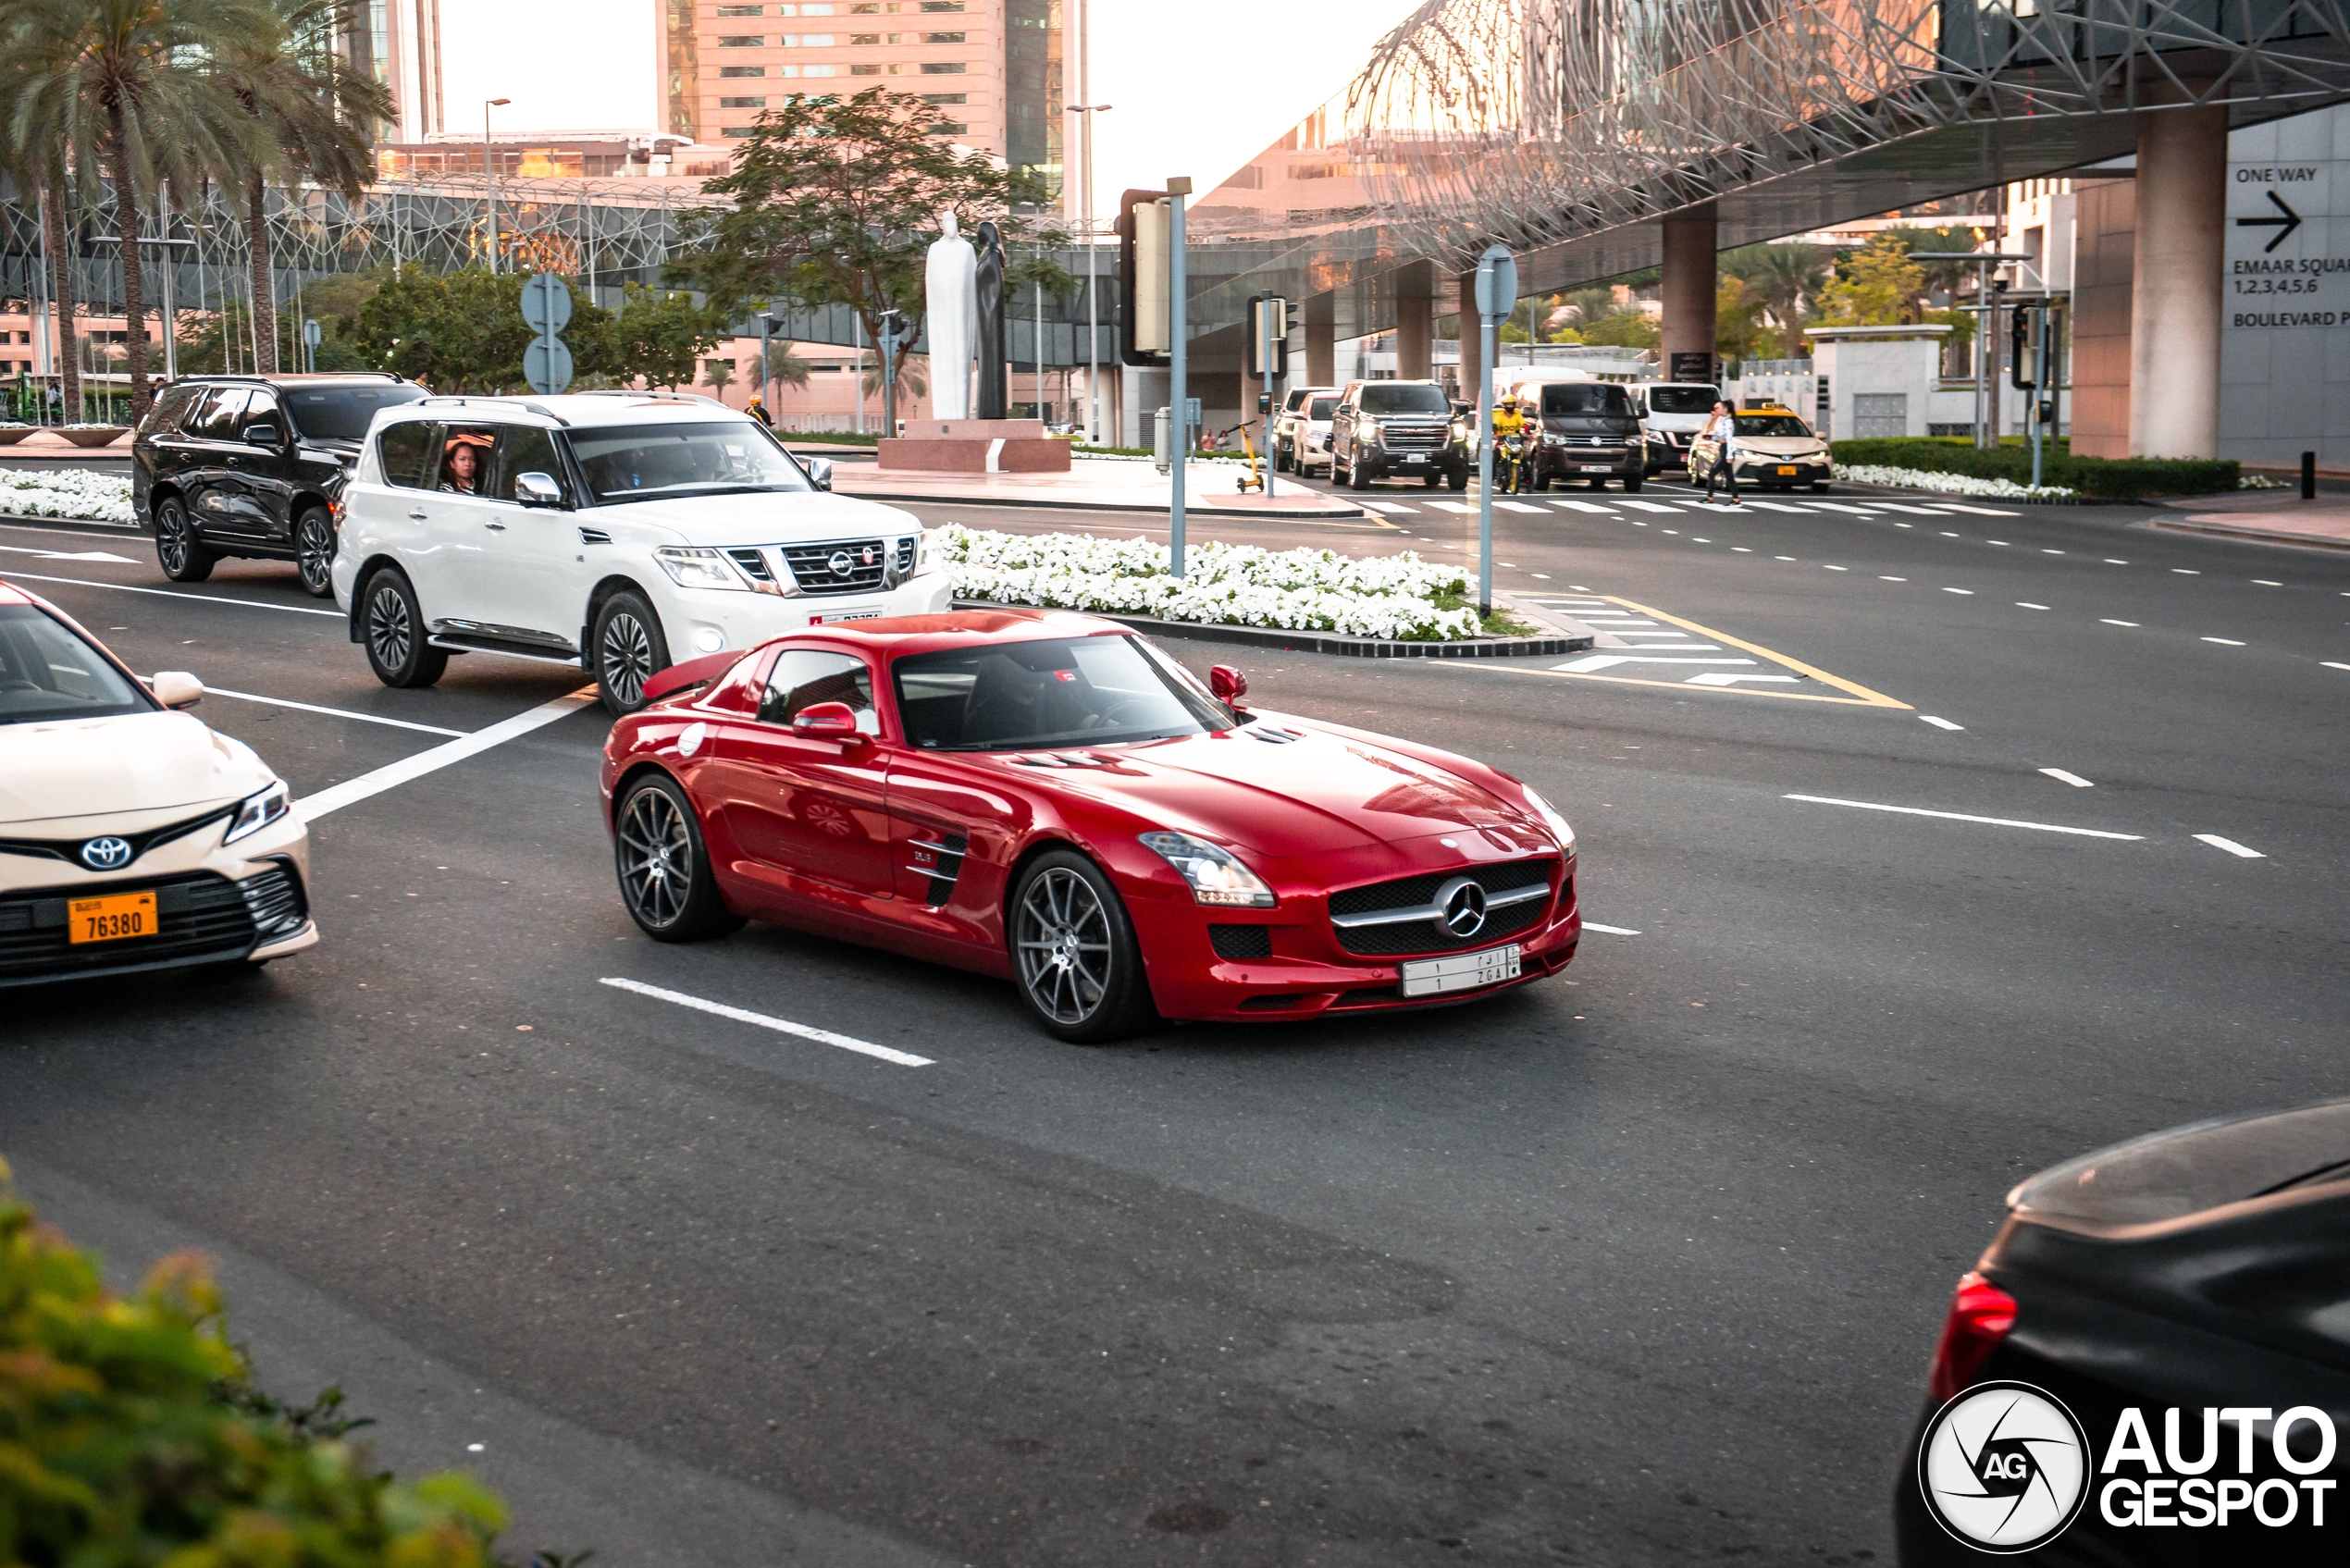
{"type": "Point", "coordinates": [65, 492]}
{"type": "Point", "coordinates": [1950, 484]}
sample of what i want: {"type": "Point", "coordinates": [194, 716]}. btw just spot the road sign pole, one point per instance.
{"type": "Point", "coordinates": [1177, 330]}
{"type": "Point", "coordinates": [1496, 301]}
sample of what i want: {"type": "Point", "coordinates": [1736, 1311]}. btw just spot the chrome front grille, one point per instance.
{"type": "Point", "coordinates": [835, 566]}
{"type": "Point", "coordinates": [199, 916]}
{"type": "Point", "coordinates": [1393, 917]}
{"type": "Point", "coordinates": [1412, 438]}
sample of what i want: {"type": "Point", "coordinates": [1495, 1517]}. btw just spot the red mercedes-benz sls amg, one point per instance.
{"type": "Point", "coordinates": [1051, 798]}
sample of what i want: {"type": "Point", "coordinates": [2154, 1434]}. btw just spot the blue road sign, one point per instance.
{"type": "Point", "coordinates": [546, 303]}
{"type": "Point", "coordinates": [546, 364]}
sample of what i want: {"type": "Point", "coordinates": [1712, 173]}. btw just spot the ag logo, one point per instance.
{"type": "Point", "coordinates": [2004, 1467]}
{"type": "Point", "coordinates": [108, 854]}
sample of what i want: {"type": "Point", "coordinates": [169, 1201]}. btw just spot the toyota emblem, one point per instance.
{"type": "Point", "coordinates": [1464, 905]}
{"type": "Point", "coordinates": [842, 563]}
{"type": "Point", "coordinates": [108, 854]}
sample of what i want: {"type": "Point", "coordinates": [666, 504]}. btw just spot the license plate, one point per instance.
{"type": "Point", "coordinates": [111, 919]}
{"type": "Point", "coordinates": [844, 615]}
{"type": "Point", "coordinates": [1787, 469]}
{"type": "Point", "coordinates": [1417, 457]}
{"type": "Point", "coordinates": [1599, 468]}
{"type": "Point", "coordinates": [1468, 971]}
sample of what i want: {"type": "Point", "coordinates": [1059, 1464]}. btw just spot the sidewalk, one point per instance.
{"type": "Point", "coordinates": [1092, 485]}
{"type": "Point", "coordinates": [2277, 517]}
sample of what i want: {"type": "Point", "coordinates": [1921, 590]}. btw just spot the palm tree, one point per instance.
{"type": "Point", "coordinates": [68, 361]}
{"type": "Point", "coordinates": [318, 116]}
{"type": "Point", "coordinates": [1786, 278]}
{"type": "Point", "coordinates": [129, 87]}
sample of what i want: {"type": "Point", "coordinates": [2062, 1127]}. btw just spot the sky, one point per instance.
{"type": "Point", "coordinates": [1199, 98]}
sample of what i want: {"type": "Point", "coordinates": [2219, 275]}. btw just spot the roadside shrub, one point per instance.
{"type": "Point", "coordinates": [130, 1433]}
{"type": "Point", "coordinates": [2127, 478]}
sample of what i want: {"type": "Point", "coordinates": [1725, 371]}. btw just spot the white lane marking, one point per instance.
{"type": "Point", "coordinates": [2262, 581]}
{"type": "Point", "coordinates": [1882, 578]}
{"type": "Point", "coordinates": [332, 712]}
{"type": "Point", "coordinates": [1905, 525]}
{"type": "Point", "coordinates": [1722, 678]}
{"type": "Point", "coordinates": [781, 1025]}
{"type": "Point", "coordinates": [1611, 930]}
{"type": "Point", "coordinates": [2331, 665]}
{"type": "Point", "coordinates": [1777, 506]}
{"type": "Point", "coordinates": [2108, 621]}
{"type": "Point", "coordinates": [2020, 604]}
{"type": "Point", "coordinates": [1839, 506]}
{"type": "Point", "coordinates": [1585, 506]}
{"type": "Point", "coordinates": [1648, 505]}
{"type": "Point", "coordinates": [1938, 724]}
{"type": "Point", "coordinates": [1460, 506]}
{"type": "Point", "coordinates": [1979, 511]}
{"type": "Point", "coordinates": [1968, 592]}
{"type": "Point", "coordinates": [1386, 506]}
{"type": "Point", "coordinates": [1590, 663]}
{"type": "Point", "coordinates": [1741, 550]}
{"type": "Point", "coordinates": [2224, 642]}
{"type": "Point", "coordinates": [2185, 572]}
{"type": "Point", "coordinates": [1516, 506]}
{"type": "Point", "coordinates": [1783, 558]}
{"type": "Point", "coordinates": [2075, 780]}
{"type": "Point", "coordinates": [1913, 511]}
{"type": "Point", "coordinates": [1963, 816]}
{"type": "Point", "coordinates": [1835, 568]}
{"type": "Point", "coordinates": [2230, 845]}
{"type": "Point", "coordinates": [2109, 561]}
{"type": "Point", "coordinates": [334, 797]}
{"type": "Point", "coordinates": [170, 593]}
{"type": "Point", "coordinates": [2001, 543]}
{"type": "Point", "coordinates": [69, 555]}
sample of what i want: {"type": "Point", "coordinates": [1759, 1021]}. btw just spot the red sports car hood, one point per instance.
{"type": "Point", "coordinates": [1299, 796]}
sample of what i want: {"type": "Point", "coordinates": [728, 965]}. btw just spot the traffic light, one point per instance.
{"type": "Point", "coordinates": [1144, 334]}
{"type": "Point", "coordinates": [2024, 371]}
{"type": "Point", "coordinates": [1267, 331]}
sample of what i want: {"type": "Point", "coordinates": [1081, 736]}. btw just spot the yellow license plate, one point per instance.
{"type": "Point", "coordinates": [1787, 468]}
{"type": "Point", "coordinates": [111, 919]}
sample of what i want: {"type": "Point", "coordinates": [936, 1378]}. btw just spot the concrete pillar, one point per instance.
{"type": "Point", "coordinates": [1321, 340]}
{"type": "Point", "coordinates": [2177, 276]}
{"type": "Point", "coordinates": [1472, 337]}
{"type": "Point", "coordinates": [1689, 285]}
{"type": "Point", "coordinates": [1415, 339]}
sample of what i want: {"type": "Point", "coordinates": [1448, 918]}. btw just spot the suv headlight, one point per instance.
{"type": "Point", "coordinates": [925, 554]}
{"type": "Point", "coordinates": [691, 567]}
{"type": "Point", "coordinates": [1216, 877]}
{"type": "Point", "coordinates": [256, 812]}
{"type": "Point", "coordinates": [1548, 813]}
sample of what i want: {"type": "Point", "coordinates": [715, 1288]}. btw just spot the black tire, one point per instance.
{"type": "Point", "coordinates": [1074, 956]}
{"type": "Point", "coordinates": [1432, 479]}
{"type": "Point", "coordinates": [392, 625]}
{"type": "Point", "coordinates": [1354, 480]}
{"type": "Point", "coordinates": [626, 649]}
{"type": "Point", "coordinates": [1632, 483]}
{"type": "Point", "coordinates": [314, 533]}
{"type": "Point", "coordinates": [1819, 486]}
{"type": "Point", "coordinates": [663, 867]}
{"type": "Point", "coordinates": [1598, 482]}
{"type": "Point", "coordinates": [1459, 480]}
{"type": "Point", "coordinates": [177, 550]}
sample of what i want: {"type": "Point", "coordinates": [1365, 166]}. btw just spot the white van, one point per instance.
{"type": "Point", "coordinates": [1676, 412]}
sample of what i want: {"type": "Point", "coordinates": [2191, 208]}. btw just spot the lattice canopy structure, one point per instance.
{"type": "Point", "coordinates": [1542, 123]}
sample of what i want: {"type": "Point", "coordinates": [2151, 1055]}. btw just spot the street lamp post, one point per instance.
{"type": "Point", "coordinates": [1093, 310]}
{"type": "Point", "coordinates": [490, 176]}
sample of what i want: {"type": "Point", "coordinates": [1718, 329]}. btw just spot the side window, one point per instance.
{"type": "Point", "coordinates": [170, 408]}
{"type": "Point", "coordinates": [216, 421]}
{"type": "Point", "coordinates": [402, 448]}
{"type": "Point", "coordinates": [522, 450]}
{"type": "Point", "coordinates": [261, 408]}
{"type": "Point", "coordinates": [461, 465]}
{"type": "Point", "coordinates": [805, 676]}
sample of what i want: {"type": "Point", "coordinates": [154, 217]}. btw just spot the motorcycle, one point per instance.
{"type": "Point", "coordinates": [1509, 464]}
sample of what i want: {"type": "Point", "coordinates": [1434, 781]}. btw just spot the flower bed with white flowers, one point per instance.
{"type": "Point", "coordinates": [64, 492]}
{"type": "Point", "coordinates": [1950, 484]}
{"type": "Point", "coordinates": [1387, 596]}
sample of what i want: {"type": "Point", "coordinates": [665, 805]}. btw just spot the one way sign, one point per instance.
{"type": "Point", "coordinates": [2284, 225]}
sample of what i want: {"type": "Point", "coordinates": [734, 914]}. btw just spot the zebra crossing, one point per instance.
{"type": "Point", "coordinates": [1641, 645]}
{"type": "Point", "coordinates": [1616, 506]}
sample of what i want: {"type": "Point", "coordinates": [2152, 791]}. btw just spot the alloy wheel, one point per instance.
{"type": "Point", "coordinates": [314, 551]}
{"type": "Point", "coordinates": [1064, 944]}
{"type": "Point", "coordinates": [171, 538]}
{"type": "Point", "coordinates": [626, 657]}
{"type": "Point", "coordinates": [656, 858]}
{"type": "Point", "coordinates": [391, 636]}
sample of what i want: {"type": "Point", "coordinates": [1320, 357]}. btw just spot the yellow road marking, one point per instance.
{"type": "Point", "coordinates": [1866, 698]}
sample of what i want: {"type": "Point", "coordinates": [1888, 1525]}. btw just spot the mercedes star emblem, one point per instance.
{"type": "Point", "coordinates": [1464, 905]}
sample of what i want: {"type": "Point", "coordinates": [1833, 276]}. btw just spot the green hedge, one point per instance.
{"type": "Point", "coordinates": [131, 1436]}
{"type": "Point", "coordinates": [827, 437]}
{"type": "Point", "coordinates": [2126, 479]}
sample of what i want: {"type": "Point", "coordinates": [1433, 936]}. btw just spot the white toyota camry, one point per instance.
{"type": "Point", "coordinates": [132, 836]}
{"type": "Point", "coordinates": [619, 532]}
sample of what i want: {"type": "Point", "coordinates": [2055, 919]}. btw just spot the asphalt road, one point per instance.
{"type": "Point", "coordinates": [1638, 1265]}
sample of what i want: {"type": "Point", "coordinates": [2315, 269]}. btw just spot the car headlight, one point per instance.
{"type": "Point", "coordinates": [256, 812]}
{"type": "Point", "coordinates": [1548, 813]}
{"type": "Point", "coordinates": [695, 568]}
{"type": "Point", "coordinates": [1216, 877]}
{"type": "Point", "coordinates": [1550, 440]}
{"type": "Point", "coordinates": [925, 554]}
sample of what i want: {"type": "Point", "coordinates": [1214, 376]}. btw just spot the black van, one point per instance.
{"type": "Point", "coordinates": [1590, 431]}
{"type": "Point", "coordinates": [252, 465]}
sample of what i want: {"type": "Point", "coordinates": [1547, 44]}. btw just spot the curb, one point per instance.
{"type": "Point", "coordinates": [2254, 536]}
{"type": "Point", "coordinates": [1153, 509]}
{"type": "Point", "coordinates": [1325, 642]}
{"type": "Point", "coordinates": [74, 525]}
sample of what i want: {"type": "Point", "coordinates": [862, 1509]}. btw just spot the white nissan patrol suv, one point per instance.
{"type": "Point", "coordinates": [622, 533]}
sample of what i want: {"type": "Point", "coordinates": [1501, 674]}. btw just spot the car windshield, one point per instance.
{"type": "Point", "coordinates": [1585, 397]}
{"type": "Point", "coordinates": [1073, 691]}
{"type": "Point", "coordinates": [1683, 400]}
{"type": "Point", "coordinates": [1404, 397]}
{"type": "Point", "coordinates": [626, 462]}
{"type": "Point", "coordinates": [342, 414]}
{"type": "Point", "coordinates": [1323, 408]}
{"type": "Point", "coordinates": [48, 673]}
{"type": "Point", "coordinates": [1772, 425]}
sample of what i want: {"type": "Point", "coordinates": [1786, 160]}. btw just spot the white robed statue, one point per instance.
{"type": "Point", "coordinates": [951, 299]}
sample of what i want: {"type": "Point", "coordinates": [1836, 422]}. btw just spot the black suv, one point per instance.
{"type": "Point", "coordinates": [1396, 430]}
{"type": "Point", "coordinates": [1590, 431]}
{"type": "Point", "coordinates": [253, 465]}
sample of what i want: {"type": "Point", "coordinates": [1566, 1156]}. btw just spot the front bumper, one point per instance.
{"type": "Point", "coordinates": [699, 621]}
{"type": "Point", "coordinates": [1776, 470]}
{"type": "Point", "coordinates": [1574, 463]}
{"type": "Point", "coordinates": [1307, 973]}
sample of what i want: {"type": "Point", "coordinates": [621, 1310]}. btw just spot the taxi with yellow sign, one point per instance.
{"type": "Point", "coordinates": [1774, 448]}
{"type": "Point", "coordinates": [134, 837]}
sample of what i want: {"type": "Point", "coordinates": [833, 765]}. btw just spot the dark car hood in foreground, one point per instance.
{"type": "Point", "coordinates": [1311, 795]}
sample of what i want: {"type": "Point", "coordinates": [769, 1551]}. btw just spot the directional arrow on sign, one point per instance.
{"type": "Point", "coordinates": [2284, 225]}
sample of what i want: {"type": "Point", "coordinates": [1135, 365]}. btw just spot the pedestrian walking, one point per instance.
{"type": "Point", "coordinates": [1723, 429]}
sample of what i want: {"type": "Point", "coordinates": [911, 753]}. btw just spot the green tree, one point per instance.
{"type": "Point", "coordinates": [316, 114]}
{"type": "Point", "coordinates": [1626, 328]}
{"type": "Point", "coordinates": [1786, 278]}
{"type": "Point", "coordinates": [462, 331]}
{"type": "Point", "coordinates": [835, 202]}
{"type": "Point", "coordinates": [1737, 320]}
{"type": "Point", "coordinates": [130, 86]}
{"type": "Point", "coordinates": [1876, 287]}
{"type": "Point", "coordinates": [656, 336]}
{"type": "Point", "coordinates": [720, 375]}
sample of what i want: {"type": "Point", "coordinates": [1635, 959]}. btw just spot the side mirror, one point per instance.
{"type": "Point", "coordinates": [820, 472]}
{"type": "Point", "coordinates": [1229, 685]}
{"type": "Point", "coordinates": [264, 436]}
{"type": "Point", "coordinates": [537, 489]}
{"type": "Point", "coordinates": [176, 688]}
{"type": "Point", "coordinates": [827, 720]}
